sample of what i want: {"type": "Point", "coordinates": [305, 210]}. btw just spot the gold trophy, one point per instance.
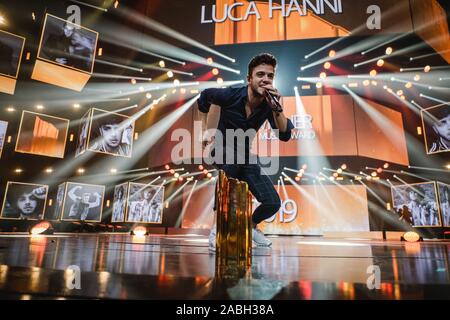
{"type": "Point", "coordinates": [234, 224]}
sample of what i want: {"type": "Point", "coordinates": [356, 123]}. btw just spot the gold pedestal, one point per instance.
{"type": "Point", "coordinates": [234, 223]}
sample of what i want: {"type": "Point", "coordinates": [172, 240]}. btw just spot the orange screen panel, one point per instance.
{"type": "Point", "coordinates": [314, 210]}
{"type": "Point", "coordinates": [380, 133]}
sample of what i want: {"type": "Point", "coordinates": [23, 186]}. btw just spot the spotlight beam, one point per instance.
{"type": "Point", "coordinates": [154, 25]}
{"type": "Point", "coordinates": [89, 5]}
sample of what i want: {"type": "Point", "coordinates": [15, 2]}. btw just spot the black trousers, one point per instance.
{"type": "Point", "coordinates": [260, 186]}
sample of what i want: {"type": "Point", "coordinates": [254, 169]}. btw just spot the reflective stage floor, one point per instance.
{"type": "Point", "coordinates": [120, 266]}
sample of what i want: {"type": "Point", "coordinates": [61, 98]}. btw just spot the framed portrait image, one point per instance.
{"type": "Point", "coordinates": [83, 131]}
{"type": "Point", "coordinates": [57, 210]}
{"type": "Point", "coordinates": [42, 135]}
{"type": "Point", "coordinates": [111, 133]}
{"type": "Point", "coordinates": [24, 201]}
{"type": "Point", "coordinates": [3, 128]}
{"type": "Point", "coordinates": [83, 202]}
{"type": "Point", "coordinates": [417, 203]}
{"type": "Point", "coordinates": [67, 44]}
{"type": "Point", "coordinates": [145, 203]}
{"type": "Point", "coordinates": [119, 203]}
{"type": "Point", "coordinates": [11, 51]}
{"type": "Point", "coordinates": [436, 127]}
{"type": "Point", "coordinates": [444, 203]}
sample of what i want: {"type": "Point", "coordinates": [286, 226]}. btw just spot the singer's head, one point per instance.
{"type": "Point", "coordinates": [261, 73]}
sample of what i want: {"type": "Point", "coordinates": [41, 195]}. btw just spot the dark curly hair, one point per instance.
{"type": "Point", "coordinates": [263, 58]}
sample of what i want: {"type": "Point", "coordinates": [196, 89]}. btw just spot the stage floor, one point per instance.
{"type": "Point", "coordinates": [119, 266]}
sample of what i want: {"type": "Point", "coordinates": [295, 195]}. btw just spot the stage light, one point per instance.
{"type": "Point", "coordinates": [18, 170]}
{"type": "Point", "coordinates": [332, 54]}
{"type": "Point", "coordinates": [167, 167]}
{"type": "Point", "coordinates": [427, 69]}
{"type": "Point", "coordinates": [209, 60]}
{"type": "Point", "coordinates": [170, 74]}
{"type": "Point", "coordinates": [10, 109]}
{"type": "Point", "coordinates": [306, 87]}
{"type": "Point", "coordinates": [323, 75]}
{"type": "Point", "coordinates": [417, 77]}
{"type": "Point", "coordinates": [76, 106]}
{"type": "Point", "coordinates": [408, 85]}
{"type": "Point", "coordinates": [366, 83]}
{"type": "Point", "coordinates": [48, 170]}
{"type": "Point", "coordinates": [297, 178]}
{"type": "Point", "coordinates": [400, 92]}
{"type": "Point", "coordinates": [379, 170]}
{"type": "Point", "coordinates": [33, 16]}
{"type": "Point", "coordinates": [162, 64]}
{"type": "Point", "coordinates": [353, 85]}
{"type": "Point", "coordinates": [339, 170]}
{"type": "Point", "coordinates": [386, 165]}
{"type": "Point", "coordinates": [148, 95]}
{"type": "Point", "coordinates": [133, 81]}
{"type": "Point", "coordinates": [139, 231]}
{"type": "Point", "coordinates": [200, 167]}
{"type": "Point", "coordinates": [319, 85]}
{"type": "Point", "coordinates": [113, 170]}
{"type": "Point", "coordinates": [368, 178]}
{"type": "Point", "coordinates": [172, 171]}
{"type": "Point", "coordinates": [176, 175]}
{"type": "Point", "coordinates": [43, 227]}
{"type": "Point", "coordinates": [219, 81]}
{"type": "Point", "coordinates": [205, 171]}
{"type": "Point", "coordinates": [304, 167]}
{"type": "Point", "coordinates": [389, 50]}
{"type": "Point", "coordinates": [182, 90]}
{"type": "Point", "coordinates": [327, 65]}
{"type": "Point", "coordinates": [335, 174]}
{"type": "Point", "coordinates": [176, 82]}
{"type": "Point", "coordinates": [180, 179]}
{"type": "Point", "coordinates": [81, 170]}
{"type": "Point", "coordinates": [380, 63]}
{"type": "Point", "coordinates": [411, 236]}
{"type": "Point", "coordinates": [374, 83]}
{"type": "Point", "coordinates": [116, 4]}
{"type": "Point", "coordinates": [403, 97]}
{"type": "Point", "coordinates": [373, 73]}
{"type": "Point", "coordinates": [40, 107]}
{"type": "Point", "coordinates": [2, 20]}
{"type": "Point", "coordinates": [215, 71]}
{"type": "Point", "coordinates": [373, 174]}
{"type": "Point", "coordinates": [209, 175]}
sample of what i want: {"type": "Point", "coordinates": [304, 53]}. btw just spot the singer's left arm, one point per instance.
{"type": "Point", "coordinates": [281, 122]}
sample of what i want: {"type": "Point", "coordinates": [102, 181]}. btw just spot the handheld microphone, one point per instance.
{"type": "Point", "coordinates": [278, 108]}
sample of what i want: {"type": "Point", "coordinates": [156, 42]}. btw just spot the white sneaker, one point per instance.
{"type": "Point", "coordinates": [212, 239]}
{"type": "Point", "coordinates": [260, 239]}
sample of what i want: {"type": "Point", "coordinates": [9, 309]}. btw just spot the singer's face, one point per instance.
{"type": "Point", "coordinates": [261, 77]}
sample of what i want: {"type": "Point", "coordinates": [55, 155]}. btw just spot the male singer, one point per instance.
{"type": "Point", "coordinates": [247, 108]}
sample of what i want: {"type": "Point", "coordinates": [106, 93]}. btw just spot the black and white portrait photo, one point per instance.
{"type": "Point", "coordinates": [83, 134]}
{"type": "Point", "coordinates": [11, 48]}
{"type": "Point", "coordinates": [444, 201]}
{"type": "Point", "coordinates": [111, 133]}
{"type": "Point", "coordinates": [24, 201]}
{"type": "Point", "coordinates": [59, 203]}
{"type": "Point", "coordinates": [436, 123]}
{"type": "Point", "coordinates": [3, 128]}
{"type": "Point", "coordinates": [68, 44]}
{"type": "Point", "coordinates": [417, 203]}
{"type": "Point", "coordinates": [83, 202]}
{"type": "Point", "coordinates": [145, 203]}
{"type": "Point", "coordinates": [120, 203]}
